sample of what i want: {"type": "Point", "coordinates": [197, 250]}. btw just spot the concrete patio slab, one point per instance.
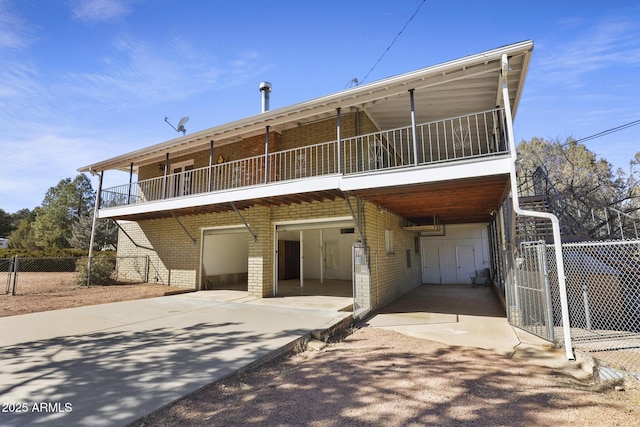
{"type": "Point", "coordinates": [469, 317]}
{"type": "Point", "coordinates": [110, 364]}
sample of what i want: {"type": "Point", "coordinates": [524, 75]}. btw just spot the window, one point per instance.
{"type": "Point", "coordinates": [388, 241]}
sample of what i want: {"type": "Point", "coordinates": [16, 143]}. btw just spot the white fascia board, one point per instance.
{"type": "Point", "coordinates": [329, 182]}
{"type": "Point", "coordinates": [497, 166]}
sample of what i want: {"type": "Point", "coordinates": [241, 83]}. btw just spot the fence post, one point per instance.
{"type": "Point", "coordinates": [585, 292]}
{"type": "Point", "coordinates": [9, 275]}
{"type": "Point", "coordinates": [542, 259]}
{"type": "Point", "coordinates": [16, 268]}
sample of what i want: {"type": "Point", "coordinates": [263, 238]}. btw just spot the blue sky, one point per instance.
{"type": "Point", "coordinates": [82, 81]}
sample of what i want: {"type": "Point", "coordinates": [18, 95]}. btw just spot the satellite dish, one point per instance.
{"type": "Point", "coordinates": [180, 124]}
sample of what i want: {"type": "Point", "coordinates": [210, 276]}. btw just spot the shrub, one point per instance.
{"type": "Point", "coordinates": [103, 269]}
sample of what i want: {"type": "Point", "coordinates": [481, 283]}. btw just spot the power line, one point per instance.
{"type": "Point", "coordinates": [608, 131]}
{"type": "Point", "coordinates": [394, 40]}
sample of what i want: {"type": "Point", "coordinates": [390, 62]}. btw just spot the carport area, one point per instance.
{"type": "Point", "coordinates": [461, 315]}
{"type": "Point", "coordinates": [110, 364]}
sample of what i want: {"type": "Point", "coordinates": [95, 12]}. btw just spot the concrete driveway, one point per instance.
{"type": "Point", "coordinates": [110, 364]}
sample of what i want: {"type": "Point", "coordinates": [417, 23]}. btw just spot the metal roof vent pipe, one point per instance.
{"type": "Point", "coordinates": [265, 88]}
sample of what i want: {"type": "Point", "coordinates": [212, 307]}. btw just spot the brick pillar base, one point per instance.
{"type": "Point", "coordinates": [260, 275]}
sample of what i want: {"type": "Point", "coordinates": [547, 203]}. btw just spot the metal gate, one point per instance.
{"type": "Point", "coordinates": [361, 281]}
{"type": "Point", "coordinates": [528, 289]}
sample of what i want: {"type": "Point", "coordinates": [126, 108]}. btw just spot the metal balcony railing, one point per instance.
{"type": "Point", "coordinates": [468, 137]}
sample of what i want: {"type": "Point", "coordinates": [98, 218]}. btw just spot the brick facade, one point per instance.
{"type": "Point", "coordinates": [176, 259]}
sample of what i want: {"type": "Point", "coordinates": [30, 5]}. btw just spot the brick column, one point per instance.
{"type": "Point", "coordinates": [260, 275]}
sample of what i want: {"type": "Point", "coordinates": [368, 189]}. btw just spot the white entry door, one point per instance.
{"type": "Point", "coordinates": [431, 264]}
{"type": "Point", "coordinates": [181, 184]}
{"type": "Point", "coordinates": [466, 263]}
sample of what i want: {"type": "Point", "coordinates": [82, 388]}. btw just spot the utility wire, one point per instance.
{"type": "Point", "coordinates": [389, 47]}
{"type": "Point", "coordinates": [608, 131]}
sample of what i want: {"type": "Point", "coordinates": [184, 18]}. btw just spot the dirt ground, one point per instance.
{"type": "Point", "coordinates": [376, 377]}
{"type": "Point", "coordinates": [11, 305]}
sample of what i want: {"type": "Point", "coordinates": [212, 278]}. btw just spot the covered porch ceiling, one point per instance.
{"type": "Point", "coordinates": [463, 86]}
{"type": "Point", "coordinates": [460, 201]}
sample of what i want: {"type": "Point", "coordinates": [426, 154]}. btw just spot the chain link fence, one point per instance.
{"type": "Point", "coordinates": [603, 292]}
{"type": "Point", "coordinates": [26, 275]}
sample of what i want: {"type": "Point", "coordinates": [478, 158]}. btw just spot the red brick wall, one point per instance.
{"type": "Point", "coordinates": [254, 145]}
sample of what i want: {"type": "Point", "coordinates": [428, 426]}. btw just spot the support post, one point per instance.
{"type": "Point", "coordinates": [321, 257]}
{"type": "Point", "coordinates": [166, 172]}
{"type": "Point", "coordinates": [130, 183]}
{"type": "Point", "coordinates": [266, 157]}
{"type": "Point", "coordinates": [301, 259]}
{"type": "Point", "coordinates": [414, 129]}
{"type": "Point", "coordinates": [210, 186]}
{"type": "Point", "coordinates": [339, 137]}
{"type": "Point", "coordinates": [93, 227]}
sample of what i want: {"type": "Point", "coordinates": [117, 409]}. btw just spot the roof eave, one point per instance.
{"type": "Point", "coordinates": [317, 106]}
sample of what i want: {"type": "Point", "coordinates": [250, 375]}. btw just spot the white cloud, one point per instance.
{"type": "Point", "coordinates": [141, 73]}
{"type": "Point", "coordinates": [612, 42]}
{"type": "Point", "coordinates": [14, 33]}
{"type": "Point", "coordinates": [98, 10]}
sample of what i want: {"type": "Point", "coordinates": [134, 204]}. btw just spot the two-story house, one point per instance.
{"type": "Point", "coordinates": [372, 190]}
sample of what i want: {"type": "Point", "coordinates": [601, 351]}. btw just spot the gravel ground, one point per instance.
{"type": "Point", "coordinates": [376, 377]}
{"type": "Point", "coordinates": [11, 305]}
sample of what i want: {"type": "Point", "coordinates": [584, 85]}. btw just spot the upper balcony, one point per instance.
{"type": "Point", "coordinates": [457, 140]}
{"type": "Point", "coordinates": [433, 141]}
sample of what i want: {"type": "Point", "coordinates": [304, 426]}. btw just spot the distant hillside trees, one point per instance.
{"type": "Point", "coordinates": [583, 180]}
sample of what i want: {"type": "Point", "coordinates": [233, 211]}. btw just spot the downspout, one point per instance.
{"type": "Point", "coordinates": [557, 240]}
